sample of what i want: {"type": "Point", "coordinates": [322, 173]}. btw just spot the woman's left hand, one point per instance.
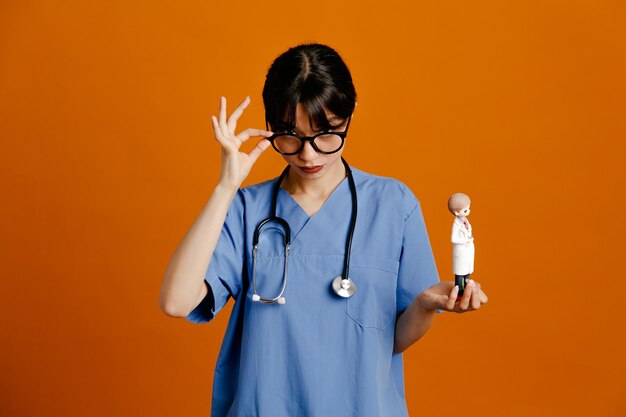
{"type": "Point", "coordinates": [443, 296]}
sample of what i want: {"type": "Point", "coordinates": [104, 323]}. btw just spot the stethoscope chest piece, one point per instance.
{"type": "Point", "coordinates": [344, 287]}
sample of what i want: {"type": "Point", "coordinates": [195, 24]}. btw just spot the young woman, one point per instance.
{"type": "Point", "coordinates": [330, 267]}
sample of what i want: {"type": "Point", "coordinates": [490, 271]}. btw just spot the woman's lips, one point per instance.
{"type": "Point", "coordinates": [311, 170]}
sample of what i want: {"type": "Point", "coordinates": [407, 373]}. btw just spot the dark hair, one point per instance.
{"type": "Point", "coordinates": [311, 74]}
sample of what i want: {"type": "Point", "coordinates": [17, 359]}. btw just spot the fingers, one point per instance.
{"type": "Point", "coordinates": [452, 298]}
{"type": "Point", "coordinates": [467, 295]}
{"type": "Point", "coordinates": [219, 136]}
{"type": "Point", "coordinates": [232, 120]}
{"type": "Point", "coordinates": [222, 119]}
{"type": "Point", "coordinates": [473, 297]}
{"type": "Point", "coordinates": [260, 147]}
{"type": "Point", "coordinates": [216, 127]}
{"type": "Point", "coordinates": [483, 297]}
{"type": "Point", "coordinates": [250, 132]}
{"type": "Point", "coordinates": [224, 129]}
{"type": "Point", "coordinates": [475, 302]}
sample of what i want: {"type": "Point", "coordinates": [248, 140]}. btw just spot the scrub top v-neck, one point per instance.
{"type": "Point", "coordinates": [318, 354]}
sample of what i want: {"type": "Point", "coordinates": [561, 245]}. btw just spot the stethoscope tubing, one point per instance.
{"type": "Point", "coordinates": [346, 263]}
{"type": "Point", "coordinates": [287, 236]}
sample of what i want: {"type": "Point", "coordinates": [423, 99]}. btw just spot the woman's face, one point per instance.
{"type": "Point", "coordinates": [309, 164]}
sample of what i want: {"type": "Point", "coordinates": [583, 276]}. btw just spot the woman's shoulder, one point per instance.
{"type": "Point", "coordinates": [390, 189]}
{"type": "Point", "coordinates": [259, 189]}
{"type": "Point", "coordinates": [376, 180]}
{"type": "Point", "coordinates": [251, 200]}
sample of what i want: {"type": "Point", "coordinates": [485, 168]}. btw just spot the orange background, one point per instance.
{"type": "Point", "coordinates": [108, 157]}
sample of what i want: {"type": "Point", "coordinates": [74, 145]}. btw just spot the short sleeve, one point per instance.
{"type": "Point", "coordinates": [224, 274]}
{"type": "Point", "coordinates": [417, 271]}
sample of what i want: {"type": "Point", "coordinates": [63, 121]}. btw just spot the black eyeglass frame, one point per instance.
{"type": "Point", "coordinates": [311, 139]}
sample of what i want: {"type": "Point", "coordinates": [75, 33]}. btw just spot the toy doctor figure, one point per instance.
{"type": "Point", "coordinates": [462, 240]}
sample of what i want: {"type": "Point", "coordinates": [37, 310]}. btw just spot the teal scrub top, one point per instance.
{"type": "Point", "coordinates": [317, 355]}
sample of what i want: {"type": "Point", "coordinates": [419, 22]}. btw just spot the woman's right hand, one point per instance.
{"type": "Point", "coordinates": [236, 165]}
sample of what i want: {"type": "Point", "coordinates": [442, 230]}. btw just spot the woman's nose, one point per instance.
{"type": "Point", "coordinates": [308, 153]}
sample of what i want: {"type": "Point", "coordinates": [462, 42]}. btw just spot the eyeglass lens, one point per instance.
{"type": "Point", "coordinates": [325, 143]}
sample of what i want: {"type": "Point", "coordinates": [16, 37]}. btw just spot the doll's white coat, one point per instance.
{"type": "Point", "coordinates": [462, 248]}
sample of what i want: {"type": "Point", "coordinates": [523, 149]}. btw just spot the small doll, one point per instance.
{"type": "Point", "coordinates": [462, 240]}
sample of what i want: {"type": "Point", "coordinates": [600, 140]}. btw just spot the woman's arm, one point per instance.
{"type": "Point", "coordinates": [415, 321]}
{"type": "Point", "coordinates": [411, 325]}
{"type": "Point", "coordinates": [183, 287]}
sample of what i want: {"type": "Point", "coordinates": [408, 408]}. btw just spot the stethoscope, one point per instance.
{"type": "Point", "coordinates": [342, 285]}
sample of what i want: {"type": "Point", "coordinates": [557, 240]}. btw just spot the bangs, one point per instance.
{"type": "Point", "coordinates": [315, 76]}
{"type": "Point", "coordinates": [325, 109]}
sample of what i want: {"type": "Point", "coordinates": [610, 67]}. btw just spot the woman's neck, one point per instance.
{"type": "Point", "coordinates": [316, 188]}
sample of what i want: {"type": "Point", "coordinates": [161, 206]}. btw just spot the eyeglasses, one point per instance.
{"type": "Point", "coordinates": [288, 143]}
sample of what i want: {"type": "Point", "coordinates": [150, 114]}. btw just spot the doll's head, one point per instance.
{"type": "Point", "coordinates": [459, 204]}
